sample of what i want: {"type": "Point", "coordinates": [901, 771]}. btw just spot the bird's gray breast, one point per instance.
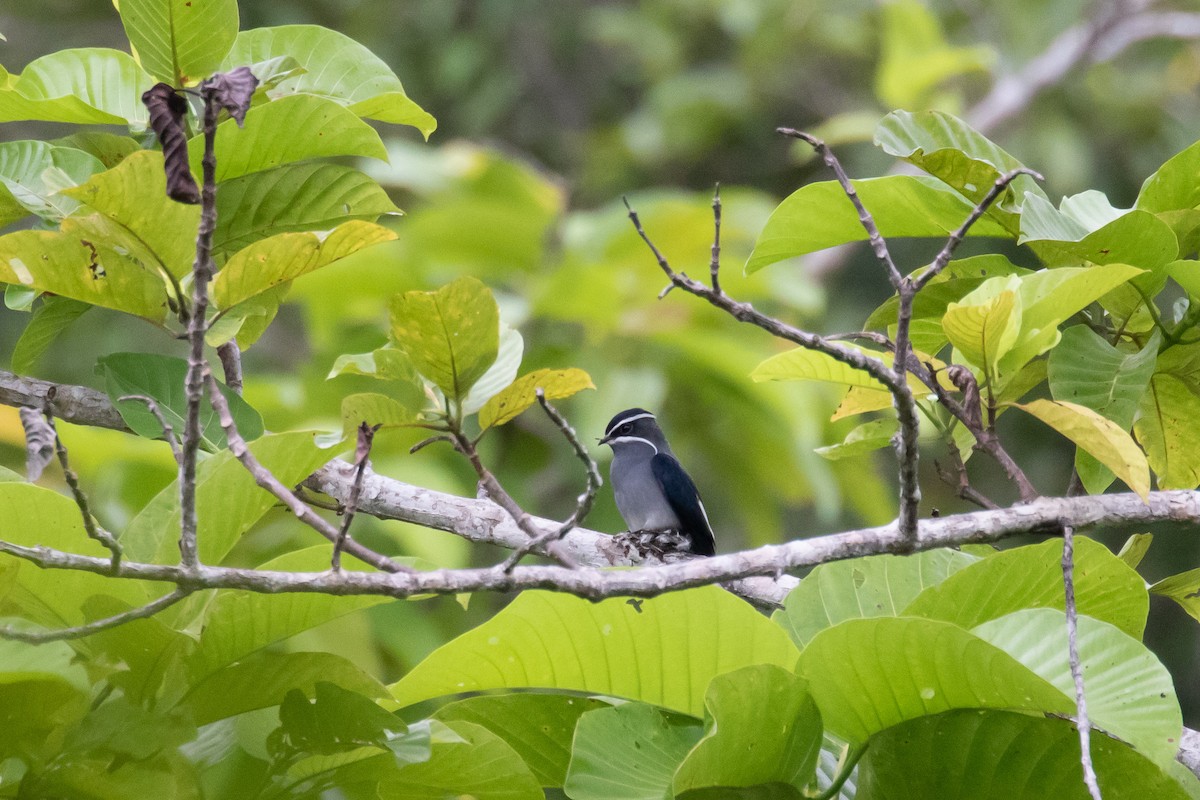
{"type": "Point", "coordinates": [639, 497]}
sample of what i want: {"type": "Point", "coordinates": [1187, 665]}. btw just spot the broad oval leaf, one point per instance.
{"type": "Point", "coordinates": [802, 363]}
{"type": "Point", "coordinates": [1167, 430]}
{"type": "Point", "coordinates": [268, 136]}
{"type": "Point", "coordinates": [761, 727]}
{"type": "Point", "coordinates": [664, 650]}
{"type": "Point", "coordinates": [33, 175]}
{"type": "Point", "coordinates": [162, 378]}
{"type": "Point", "coordinates": [629, 752]}
{"type": "Point", "coordinates": [540, 727]}
{"type": "Point", "coordinates": [1102, 438]}
{"type": "Point", "coordinates": [49, 319]}
{"type": "Point", "coordinates": [179, 41]}
{"type": "Point", "coordinates": [374, 409]}
{"type": "Point", "coordinates": [870, 674]}
{"type": "Point", "coordinates": [510, 349]}
{"type": "Point", "coordinates": [865, 438]}
{"type": "Point", "coordinates": [91, 85]}
{"type": "Point", "coordinates": [520, 395]}
{"type": "Point", "coordinates": [334, 66]}
{"type": "Point", "coordinates": [133, 196]}
{"type": "Point", "coordinates": [984, 332]}
{"type": "Point", "coordinates": [1031, 577]}
{"type": "Point", "coordinates": [949, 149]}
{"type": "Point", "coordinates": [294, 197]}
{"type": "Point", "coordinates": [1130, 694]}
{"type": "Point", "coordinates": [903, 205]}
{"type": "Point", "coordinates": [287, 256]}
{"type": "Point", "coordinates": [452, 335]}
{"type": "Point", "coordinates": [1000, 755]}
{"type": "Point", "coordinates": [874, 586]}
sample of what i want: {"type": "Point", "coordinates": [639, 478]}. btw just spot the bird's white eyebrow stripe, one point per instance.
{"type": "Point", "coordinates": [647, 415]}
{"type": "Point", "coordinates": [633, 439]}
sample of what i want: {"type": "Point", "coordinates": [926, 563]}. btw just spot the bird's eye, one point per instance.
{"type": "Point", "coordinates": [626, 428]}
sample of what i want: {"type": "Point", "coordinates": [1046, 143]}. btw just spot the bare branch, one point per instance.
{"type": "Point", "coordinates": [362, 452]}
{"type": "Point", "coordinates": [168, 431]}
{"type": "Point", "coordinates": [878, 243]}
{"type": "Point", "coordinates": [1082, 722]}
{"type": "Point", "coordinates": [94, 531]}
{"type": "Point", "coordinates": [264, 478]}
{"type": "Point", "coordinates": [79, 631]}
{"type": "Point", "coordinates": [582, 506]}
{"type": "Point", "coordinates": [80, 405]}
{"type": "Point", "coordinates": [956, 238]}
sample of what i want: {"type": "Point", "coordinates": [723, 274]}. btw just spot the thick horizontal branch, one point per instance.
{"type": "Point", "coordinates": [1045, 515]}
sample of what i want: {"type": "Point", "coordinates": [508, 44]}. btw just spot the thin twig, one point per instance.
{"type": "Point", "coordinates": [231, 364]}
{"type": "Point", "coordinates": [168, 431]}
{"type": "Point", "coordinates": [956, 238]}
{"type": "Point", "coordinates": [79, 631]}
{"type": "Point", "coordinates": [491, 488]}
{"type": "Point", "coordinates": [583, 504]}
{"type": "Point", "coordinates": [94, 531]}
{"type": "Point", "coordinates": [263, 477]}
{"type": "Point", "coordinates": [959, 480]}
{"type": "Point", "coordinates": [878, 243]}
{"type": "Point", "coordinates": [1082, 722]}
{"type": "Point", "coordinates": [362, 452]}
{"type": "Point", "coordinates": [715, 266]}
{"type": "Point", "coordinates": [875, 337]}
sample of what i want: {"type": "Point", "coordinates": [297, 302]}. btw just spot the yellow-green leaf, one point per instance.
{"type": "Point", "coordinates": [984, 332]}
{"type": "Point", "coordinates": [452, 335]}
{"type": "Point", "coordinates": [1167, 429]}
{"type": "Point", "coordinates": [522, 393]}
{"type": "Point", "coordinates": [1110, 444]}
{"type": "Point", "coordinates": [804, 364]}
{"type": "Point", "coordinates": [287, 256]}
{"type": "Point", "coordinates": [374, 409]}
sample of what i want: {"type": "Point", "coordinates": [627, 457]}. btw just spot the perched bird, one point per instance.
{"type": "Point", "coordinates": [653, 492]}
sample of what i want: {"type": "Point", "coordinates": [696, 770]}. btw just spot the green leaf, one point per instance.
{"type": "Point", "coordinates": [268, 137]}
{"type": "Point", "coordinates": [287, 256]}
{"type": "Point", "coordinates": [77, 264]}
{"type": "Point", "coordinates": [385, 364]}
{"type": "Point", "coordinates": [1183, 588]}
{"type": "Point", "coordinates": [1102, 438]}
{"type": "Point", "coordinates": [664, 650]}
{"type": "Point", "coordinates": [865, 438]}
{"type": "Point", "coordinates": [89, 86]}
{"type": "Point", "coordinates": [761, 727]}
{"type": "Point", "coordinates": [804, 364]}
{"type": "Point", "coordinates": [155, 229]}
{"type": "Point", "coordinates": [628, 753]}
{"type": "Point", "coordinates": [512, 401]}
{"type": "Point", "coordinates": [999, 755]}
{"type": "Point", "coordinates": [475, 763]}
{"type": "Point", "coordinates": [55, 598]}
{"type": "Point", "coordinates": [294, 198]}
{"type": "Point", "coordinates": [1136, 237]}
{"type": "Point", "coordinates": [452, 335]}
{"type": "Point", "coordinates": [375, 409]}
{"type": "Point", "coordinates": [903, 205]}
{"type": "Point", "coordinates": [162, 378]}
{"type": "Point", "coordinates": [228, 501]}
{"type": "Point", "coordinates": [1031, 577]}
{"type": "Point", "coordinates": [873, 586]}
{"type": "Point", "coordinates": [42, 693]}
{"type": "Point", "coordinates": [1173, 186]}
{"type": "Point", "coordinates": [985, 331]}
{"type": "Point", "coordinates": [1086, 369]}
{"type": "Point", "coordinates": [33, 173]}
{"type": "Point", "coordinates": [503, 371]}
{"type": "Point", "coordinates": [122, 728]}
{"type": "Point", "coordinates": [1130, 694]}
{"type": "Point", "coordinates": [335, 720]}
{"type": "Point", "coordinates": [239, 623]}
{"type": "Point", "coordinates": [1167, 431]}
{"type": "Point", "coordinates": [179, 41]}
{"type": "Point", "coordinates": [1135, 549]}
{"type": "Point", "coordinates": [49, 320]}
{"type": "Point", "coordinates": [870, 674]}
{"type": "Point", "coordinates": [949, 149]}
{"type": "Point", "coordinates": [539, 727]}
{"type": "Point", "coordinates": [264, 679]}
{"type": "Point", "coordinates": [109, 148]}
{"type": "Point", "coordinates": [1187, 274]}
{"type": "Point", "coordinates": [335, 67]}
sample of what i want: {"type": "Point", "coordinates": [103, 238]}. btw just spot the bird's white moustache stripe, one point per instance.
{"type": "Point", "coordinates": [627, 439]}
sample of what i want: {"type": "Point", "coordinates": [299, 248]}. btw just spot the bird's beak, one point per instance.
{"type": "Point", "coordinates": [603, 440]}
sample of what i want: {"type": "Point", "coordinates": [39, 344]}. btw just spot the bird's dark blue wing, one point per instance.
{"type": "Point", "coordinates": [684, 499]}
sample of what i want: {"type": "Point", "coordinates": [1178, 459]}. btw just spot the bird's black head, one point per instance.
{"type": "Point", "coordinates": [634, 424]}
